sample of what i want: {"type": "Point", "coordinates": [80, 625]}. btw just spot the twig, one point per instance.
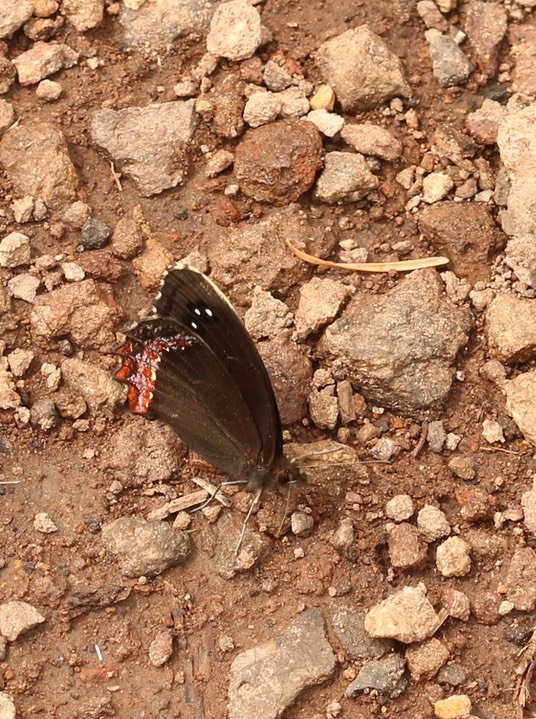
{"type": "Point", "coordinates": [524, 674]}
{"type": "Point", "coordinates": [499, 449]}
{"type": "Point", "coordinates": [116, 177]}
{"type": "Point", "coordinates": [422, 439]}
{"type": "Point", "coordinates": [179, 504]}
{"type": "Point", "coordinates": [212, 490]}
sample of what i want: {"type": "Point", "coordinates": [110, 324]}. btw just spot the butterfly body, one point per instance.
{"type": "Point", "coordinates": [194, 365]}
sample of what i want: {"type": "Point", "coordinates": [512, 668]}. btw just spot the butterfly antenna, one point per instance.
{"type": "Point", "coordinates": [254, 503]}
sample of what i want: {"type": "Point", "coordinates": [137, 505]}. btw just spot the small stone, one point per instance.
{"type": "Point", "coordinates": [452, 558]}
{"type": "Point", "coordinates": [328, 123]}
{"type": "Point", "coordinates": [436, 436]}
{"type": "Point", "coordinates": [436, 186]}
{"type": "Point", "coordinates": [95, 234]}
{"type": "Point", "coordinates": [373, 140]}
{"type": "Point", "coordinates": [16, 618]}
{"type": "Point", "coordinates": [44, 524]}
{"type": "Point", "coordinates": [385, 675]}
{"type": "Point", "coordinates": [127, 238]}
{"type": "Point", "coordinates": [235, 31]}
{"type": "Point", "coordinates": [40, 61]}
{"type": "Point", "coordinates": [457, 605]}
{"type": "Point", "coordinates": [24, 287]}
{"type": "Point", "coordinates": [432, 523]}
{"type": "Point", "coordinates": [346, 177]}
{"type": "Point", "coordinates": [219, 162]}
{"type": "Point", "coordinates": [15, 250]}
{"type": "Point", "coordinates": [72, 271]}
{"type": "Point", "coordinates": [14, 14]}
{"type": "Point", "coordinates": [262, 108]}
{"type": "Point", "coordinates": [48, 90]}
{"type": "Point", "coordinates": [301, 524]}
{"type": "Point", "coordinates": [7, 706]}
{"type": "Point", "coordinates": [449, 64]}
{"type": "Point", "coordinates": [457, 706]}
{"type": "Point", "coordinates": [385, 449]}
{"type": "Point", "coordinates": [320, 301]}
{"type": "Point", "coordinates": [406, 548]}
{"type": "Point", "coordinates": [406, 616]}
{"type": "Point", "coordinates": [344, 535]}
{"type": "Point", "coordinates": [275, 77]}
{"type": "Point", "coordinates": [528, 502]}
{"type": "Point", "coordinates": [267, 316]}
{"type": "Point", "coordinates": [161, 648]}
{"type": "Point", "coordinates": [400, 508]}
{"type": "Point", "coordinates": [323, 409]}
{"type": "Point", "coordinates": [426, 659]}
{"type": "Point", "coordinates": [323, 98]}
{"type": "Point", "coordinates": [43, 414]}
{"type": "Point", "coordinates": [23, 209]}
{"type": "Point", "coordinates": [452, 674]}
{"type": "Point", "coordinates": [19, 361]}
{"type": "Point", "coordinates": [76, 214]}
{"type": "Point", "coordinates": [462, 467]}
{"type": "Point", "coordinates": [492, 431]}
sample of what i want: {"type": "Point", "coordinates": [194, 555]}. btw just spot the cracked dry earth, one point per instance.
{"type": "Point", "coordinates": [400, 578]}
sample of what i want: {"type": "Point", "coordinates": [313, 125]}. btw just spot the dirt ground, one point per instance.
{"type": "Point", "coordinates": [54, 671]}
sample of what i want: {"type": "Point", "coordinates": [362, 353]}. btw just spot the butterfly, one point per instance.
{"type": "Point", "coordinates": [193, 364]}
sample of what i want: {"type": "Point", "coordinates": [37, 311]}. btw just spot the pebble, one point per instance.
{"type": "Point", "coordinates": [302, 645]}
{"type": "Point", "coordinates": [373, 140]}
{"type": "Point", "coordinates": [457, 706]}
{"type": "Point", "coordinates": [48, 90]}
{"type": "Point", "coordinates": [426, 659]}
{"type": "Point", "coordinates": [266, 316]}
{"type": "Point", "coordinates": [452, 558]}
{"type": "Point", "coordinates": [23, 209]}
{"type": "Point", "coordinates": [24, 287]}
{"type": "Point", "coordinates": [452, 674]}
{"type": "Point", "coordinates": [7, 115]}
{"type": "Point", "coordinates": [161, 648]}
{"type": "Point", "coordinates": [528, 502]}
{"type": "Point", "coordinates": [76, 214]}
{"type": "Point", "coordinates": [406, 616]}
{"type": "Point", "coordinates": [9, 399]}
{"type": "Point", "coordinates": [72, 271]}
{"type": "Point", "coordinates": [521, 402]}
{"type": "Point", "coordinates": [328, 123]}
{"type": "Point", "coordinates": [43, 414]}
{"type": "Point", "coordinates": [406, 548]}
{"type": "Point", "coordinates": [275, 77]}
{"type": "Point", "coordinates": [385, 449]}
{"type": "Point", "coordinates": [430, 15]}
{"type": "Point", "coordinates": [520, 580]}
{"type": "Point", "coordinates": [95, 234]}
{"type": "Point", "coordinates": [15, 250]}
{"type": "Point", "coordinates": [485, 25]}
{"type": "Point", "coordinates": [294, 102]}
{"type": "Point", "coordinates": [344, 535]}
{"type": "Point", "coordinates": [449, 64]}
{"type": "Point", "coordinates": [385, 675]}
{"type": "Point", "coordinates": [96, 386]}
{"type": "Point", "coordinates": [462, 467]}
{"type": "Point", "coordinates": [40, 61]}
{"type": "Point", "coordinates": [512, 342]}
{"type": "Point", "coordinates": [19, 361]}
{"type": "Point", "coordinates": [236, 31]}
{"type": "Point", "coordinates": [83, 15]}
{"type": "Point", "coordinates": [323, 98]}
{"type": "Point", "coordinates": [7, 706]}
{"type": "Point", "coordinates": [320, 301]}
{"type": "Point", "coordinates": [44, 524]}
{"type": "Point", "coordinates": [436, 436]}
{"type": "Point", "coordinates": [400, 508]}
{"type": "Point", "coordinates": [127, 238]}
{"type": "Point", "coordinates": [16, 618]}
{"type": "Point", "coordinates": [219, 162]}
{"type": "Point", "coordinates": [361, 69]}
{"type": "Point", "coordinates": [432, 523]}
{"type": "Point", "coordinates": [492, 431]}
{"type": "Point", "coordinates": [323, 409]}
{"type": "Point", "coordinates": [262, 108]}
{"type": "Point", "coordinates": [145, 548]}
{"type": "Point", "coordinates": [436, 186]}
{"type": "Point", "coordinates": [346, 177]}
{"type": "Point", "coordinates": [301, 524]}
{"type": "Point", "coordinates": [457, 605]}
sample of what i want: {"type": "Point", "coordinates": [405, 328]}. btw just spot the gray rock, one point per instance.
{"type": "Point", "coordinates": [261, 682]}
{"type": "Point", "coordinates": [95, 385]}
{"type": "Point", "coordinates": [436, 436]}
{"type": "Point", "coordinates": [76, 214]}
{"type": "Point", "coordinates": [348, 625]}
{"type": "Point", "coordinates": [452, 558]}
{"type": "Point", "coordinates": [145, 548]}
{"type": "Point", "coordinates": [347, 402]}
{"type": "Point", "coordinates": [397, 349]}
{"type": "Point", "coordinates": [323, 409]}
{"type": "Point", "coordinates": [385, 449]}
{"type": "Point", "coordinates": [43, 414]}
{"type": "Point", "coordinates": [301, 524]}
{"type": "Point", "coordinates": [449, 64]}
{"type": "Point", "coordinates": [13, 15]}
{"type": "Point", "coordinates": [511, 328]}
{"type": "Point", "coordinates": [294, 102]}
{"type": "Point", "coordinates": [320, 302]}
{"type": "Point", "coordinates": [521, 257]}
{"type": "Point", "coordinates": [37, 161]}
{"type": "Point", "coordinates": [344, 535]}
{"type": "Point", "coordinates": [16, 618]}
{"type": "Point", "coordinates": [95, 234]}
{"type": "Point", "coordinates": [462, 467]}
{"type": "Point", "coordinates": [149, 144]}
{"type": "Point", "coordinates": [345, 177]}
{"type": "Point", "coordinates": [386, 676]}
{"type": "Point", "coordinates": [228, 561]}
{"type": "Point", "coordinates": [15, 250]}
{"type": "Point", "coordinates": [275, 77]}
{"type": "Point", "coordinates": [236, 31]}
{"type": "Point", "coordinates": [83, 14]}
{"type": "Point", "coordinates": [156, 24]}
{"type": "Point", "coordinates": [261, 108]}
{"type": "Point", "coordinates": [432, 523]}
{"type": "Point", "coordinates": [361, 69]}
{"type": "Point", "coordinates": [521, 402]}
{"type": "Point", "coordinates": [406, 616]}
{"type": "Point", "coordinates": [453, 674]}
{"type": "Point", "coordinates": [48, 90]}
{"type": "Point", "coordinates": [267, 316]}
{"type": "Point", "coordinates": [7, 706]}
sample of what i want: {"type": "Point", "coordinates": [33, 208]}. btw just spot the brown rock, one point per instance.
{"type": "Point", "coordinates": [406, 547]}
{"type": "Point", "coordinates": [278, 162]}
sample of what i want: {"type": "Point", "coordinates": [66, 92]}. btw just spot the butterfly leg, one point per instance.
{"type": "Point", "coordinates": [254, 503]}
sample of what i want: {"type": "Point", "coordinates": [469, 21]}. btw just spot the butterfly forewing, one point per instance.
{"type": "Point", "coordinates": [200, 309]}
